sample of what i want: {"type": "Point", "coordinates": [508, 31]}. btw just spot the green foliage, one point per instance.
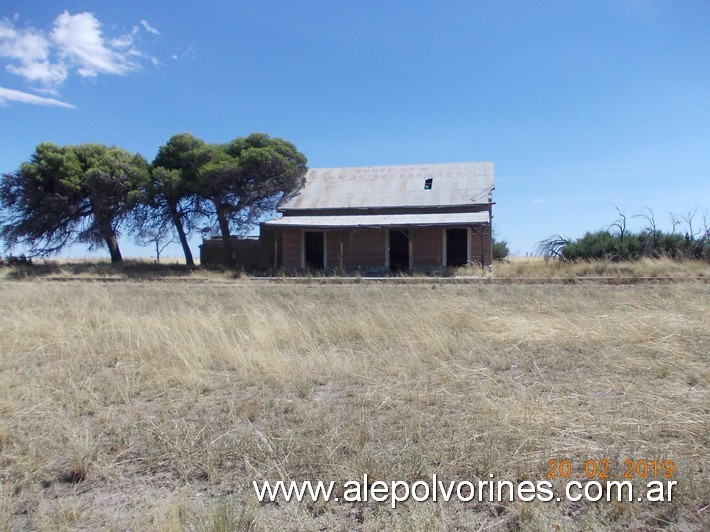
{"type": "Point", "coordinates": [249, 175]}
{"type": "Point", "coordinates": [70, 194]}
{"type": "Point", "coordinates": [500, 249]}
{"type": "Point", "coordinates": [604, 245]}
{"type": "Point", "coordinates": [229, 185]}
{"type": "Point", "coordinates": [629, 245]}
{"type": "Point", "coordinates": [39, 199]}
{"type": "Point", "coordinates": [87, 193]}
{"type": "Point", "coordinates": [607, 246]}
{"type": "Point", "coordinates": [175, 168]}
{"type": "Point", "coordinates": [172, 200]}
{"type": "Point", "coordinates": [245, 179]}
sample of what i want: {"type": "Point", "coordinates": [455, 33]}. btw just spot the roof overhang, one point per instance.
{"type": "Point", "coordinates": [382, 220]}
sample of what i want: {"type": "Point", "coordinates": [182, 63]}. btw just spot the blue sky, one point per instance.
{"type": "Point", "coordinates": [582, 106]}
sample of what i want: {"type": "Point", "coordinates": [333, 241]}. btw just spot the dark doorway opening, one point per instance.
{"type": "Point", "coordinates": [456, 247]}
{"type": "Point", "coordinates": [314, 249]}
{"type": "Point", "coordinates": [399, 250]}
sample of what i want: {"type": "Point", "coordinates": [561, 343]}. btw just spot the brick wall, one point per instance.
{"type": "Point", "coordinates": [361, 248]}
{"type": "Point", "coordinates": [365, 248]}
{"type": "Point", "coordinates": [481, 245]}
{"type": "Point", "coordinates": [427, 246]}
{"type": "Point", "coordinates": [291, 241]}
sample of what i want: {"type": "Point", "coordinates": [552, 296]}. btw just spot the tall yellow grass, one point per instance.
{"type": "Point", "coordinates": [537, 267]}
{"type": "Point", "coordinates": [132, 405]}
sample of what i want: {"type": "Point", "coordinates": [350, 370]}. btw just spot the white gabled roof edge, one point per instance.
{"type": "Point", "coordinates": [382, 220]}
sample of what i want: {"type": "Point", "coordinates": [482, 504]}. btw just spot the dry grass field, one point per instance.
{"type": "Point", "coordinates": [539, 268]}
{"type": "Point", "coordinates": [134, 405]}
{"type": "Point", "coordinates": [515, 268]}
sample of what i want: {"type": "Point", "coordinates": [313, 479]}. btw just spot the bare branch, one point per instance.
{"type": "Point", "coordinates": [620, 224]}
{"type": "Point", "coordinates": [552, 247]}
{"type": "Point", "coordinates": [688, 219]}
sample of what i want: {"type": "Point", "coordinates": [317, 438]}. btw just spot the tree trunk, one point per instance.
{"type": "Point", "coordinates": [112, 243]}
{"type": "Point", "coordinates": [226, 235]}
{"type": "Point", "coordinates": [103, 221]}
{"type": "Point", "coordinates": [177, 221]}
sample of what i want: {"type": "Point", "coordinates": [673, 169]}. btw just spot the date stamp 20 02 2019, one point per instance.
{"type": "Point", "coordinates": [597, 470]}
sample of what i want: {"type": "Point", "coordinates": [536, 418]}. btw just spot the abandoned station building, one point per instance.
{"type": "Point", "coordinates": [375, 219]}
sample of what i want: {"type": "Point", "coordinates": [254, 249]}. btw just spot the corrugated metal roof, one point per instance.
{"type": "Point", "coordinates": [395, 186]}
{"type": "Point", "coordinates": [382, 220]}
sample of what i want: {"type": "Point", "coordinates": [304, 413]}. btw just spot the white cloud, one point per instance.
{"type": "Point", "coordinates": [149, 28]}
{"type": "Point", "coordinates": [125, 41]}
{"type": "Point", "coordinates": [80, 43]}
{"type": "Point", "coordinates": [11, 95]}
{"type": "Point", "coordinates": [31, 50]}
{"type": "Point", "coordinates": [24, 45]}
{"type": "Point", "coordinates": [42, 72]}
{"type": "Point", "coordinates": [75, 44]}
{"type": "Point", "coordinates": [190, 52]}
